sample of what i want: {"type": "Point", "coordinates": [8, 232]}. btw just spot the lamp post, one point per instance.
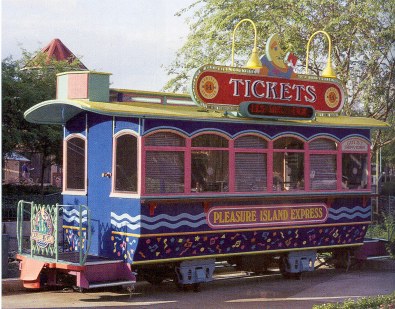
{"type": "Point", "coordinates": [328, 70]}
{"type": "Point", "coordinates": [253, 62]}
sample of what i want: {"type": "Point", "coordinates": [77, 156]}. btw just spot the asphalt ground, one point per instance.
{"type": "Point", "coordinates": [230, 290]}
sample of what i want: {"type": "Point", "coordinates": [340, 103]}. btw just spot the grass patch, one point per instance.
{"type": "Point", "coordinates": [379, 302]}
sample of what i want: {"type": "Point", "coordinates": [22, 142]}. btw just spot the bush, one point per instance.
{"type": "Point", "coordinates": [388, 188]}
{"type": "Point", "coordinates": [379, 302]}
{"type": "Point", "coordinates": [12, 189]}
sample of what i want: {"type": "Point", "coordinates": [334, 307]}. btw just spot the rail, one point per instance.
{"type": "Point", "coordinates": [46, 221]}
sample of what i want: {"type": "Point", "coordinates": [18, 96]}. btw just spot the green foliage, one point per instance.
{"type": "Point", "coordinates": [389, 223]}
{"type": "Point", "coordinates": [384, 230]}
{"type": "Point", "coordinates": [388, 188]}
{"type": "Point", "coordinates": [9, 190]}
{"type": "Point", "coordinates": [377, 231]}
{"type": "Point", "coordinates": [379, 302]}
{"type": "Point", "coordinates": [22, 87]}
{"type": "Point", "coordinates": [362, 32]}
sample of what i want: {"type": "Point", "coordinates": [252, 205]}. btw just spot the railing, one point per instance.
{"type": "Point", "coordinates": [45, 226]}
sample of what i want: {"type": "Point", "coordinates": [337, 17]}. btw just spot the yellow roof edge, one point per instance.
{"type": "Point", "coordinates": [181, 95]}
{"type": "Point", "coordinates": [48, 111]}
{"type": "Point", "coordinates": [83, 72]}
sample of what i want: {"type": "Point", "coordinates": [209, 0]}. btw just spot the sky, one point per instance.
{"type": "Point", "coordinates": [132, 39]}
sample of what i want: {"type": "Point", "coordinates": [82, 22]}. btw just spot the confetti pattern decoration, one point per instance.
{"type": "Point", "coordinates": [167, 247]}
{"type": "Point", "coordinates": [73, 239]}
{"type": "Point", "coordinates": [205, 242]}
{"type": "Point", "coordinates": [71, 234]}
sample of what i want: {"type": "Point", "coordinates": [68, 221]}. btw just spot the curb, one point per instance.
{"type": "Point", "coordinates": [11, 285]}
{"type": "Point", "coordinates": [379, 264]}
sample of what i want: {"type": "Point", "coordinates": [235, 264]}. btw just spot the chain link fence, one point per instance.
{"type": "Point", "coordinates": [10, 203]}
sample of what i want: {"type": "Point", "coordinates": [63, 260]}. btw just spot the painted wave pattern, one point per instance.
{"type": "Point", "coordinates": [193, 221]}
{"type": "Point", "coordinates": [72, 216]}
{"type": "Point", "coordinates": [153, 223]}
{"type": "Point", "coordinates": [349, 213]}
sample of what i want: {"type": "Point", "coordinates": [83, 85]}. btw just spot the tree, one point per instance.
{"type": "Point", "coordinates": [23, 87]}
{"type": "Point", "coordinates": [362, 32]}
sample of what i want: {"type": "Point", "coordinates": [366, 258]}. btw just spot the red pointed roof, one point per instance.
{"type": "Point", "coordinates": [58, 51]}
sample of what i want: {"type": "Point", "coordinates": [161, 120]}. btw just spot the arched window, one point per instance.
{"type": "Point", "coordinates": [164, 163]}
{"type": "Point", "coordinates": [355, 164]}
{"type": "Point", "coordinates": [75, 161]}
{"type": "Point", "coordinates": [288, 164]}
{"type": "Point", "coordinates": [125, 164]}
{"type": "Point", "coordinates": [323, 164]}
{"type": "Point", "coordinates": [210, 163]}
{"type": "Point", "coordinates": [250, 164]}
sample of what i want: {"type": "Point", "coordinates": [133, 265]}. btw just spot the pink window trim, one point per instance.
{"type": "Point", "coordinates": [316, 151]}
{"type": "Point", "coordinates": [369, 162]}
{"type": "Point", "coordinates": [65, 188]}
{"type": "Point", "coordinates": [232, 166]}
{"type": "Point", "coordinates": [269, 151]}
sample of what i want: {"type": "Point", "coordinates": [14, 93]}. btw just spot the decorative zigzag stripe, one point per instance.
{"type": "Point", "coordinates": [140, 221]}
{"type": "Point", "coordinates": [349, 213]}
{"type": "Point", "coordinates": [353, 216]}
{"type": "Point", "coordinates": [73, 216]}
{"type": "Point", "coordinates": [350, 210]}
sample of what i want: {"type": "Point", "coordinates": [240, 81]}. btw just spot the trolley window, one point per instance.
{"type": "Point", "coordinates": [75, 164]}
{"type": "Point", "coordinates": [125, 179]}
{"type": "Point", "coordinates": [288, 164]}
{"type": "Point", "coordinates": [164, 163]}
{"type": "Point", "coordinates": [355, 164]}
{"type": "Point", "coordinates": [323, 164]}
{"type": "Point", "coordinates": [354, 171]}
{"type": "Point", "coordinates": [250, 164]}
{"type": "Point", "coordinates": [209, 164]}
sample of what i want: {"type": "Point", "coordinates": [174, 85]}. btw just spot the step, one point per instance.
{"type": "Point", "coordinates": [110, 283]}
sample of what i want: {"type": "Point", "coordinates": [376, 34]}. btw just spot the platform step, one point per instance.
{"type": "Point", "coordinates": [110, 283]}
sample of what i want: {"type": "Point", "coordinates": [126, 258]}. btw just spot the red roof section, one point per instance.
{"type": "Point", "coordinates": [57, 50]}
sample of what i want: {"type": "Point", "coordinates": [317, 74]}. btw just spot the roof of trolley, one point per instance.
{"type": "Point", "coordinates": [61, 111]}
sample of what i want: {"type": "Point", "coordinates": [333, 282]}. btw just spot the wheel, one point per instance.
{"type": "Point", "coordinates": [78, 289]}
{"type": "Point", "coordinates": [180, 287]}
{"type": "Point", "coordinates": [153, 279]}
{"type": "Point", "coordinates": [196, 287]}
{"type": "Point", "coordinates": [282, 265]}
{"type": "Point", "coordinates": [342, 259]}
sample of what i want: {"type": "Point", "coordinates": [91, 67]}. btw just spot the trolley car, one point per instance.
{"type": "Point", "coordinates": [253, 164]}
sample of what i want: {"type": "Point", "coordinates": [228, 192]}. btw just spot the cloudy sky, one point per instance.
{"type": "Point", "coordinates": [132, 39]}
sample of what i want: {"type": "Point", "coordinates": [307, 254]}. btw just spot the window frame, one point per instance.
{"type": "Point", "coordinates": [368, 163]}
{"type": "Point", "coordinates": [270, 151]}
{"type": "Point", "coordinates": [125, 194]}
{"type": "Point", "coordinates": [236, 150]}
{"type": "Point", "coordinates": [66, 190]}
{"type": "Point", "coordinates": [336, 152]}
{"type": "Point", "coordinates": [274, 151]}
{"type": "Point", "coordinates": [230, 170]}
{"type": "Point", "coordinates": [146, 148]}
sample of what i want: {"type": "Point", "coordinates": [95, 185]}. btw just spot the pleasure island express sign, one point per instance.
{"type": "Point", "coordinates": [264, 216]}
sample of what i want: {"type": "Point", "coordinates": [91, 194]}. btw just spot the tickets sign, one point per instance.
{"type": "Point", "coordinates": [222, 87]}
{"type": "Point", "coordinates": [263, 216]}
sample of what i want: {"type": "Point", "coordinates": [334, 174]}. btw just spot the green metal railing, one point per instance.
{"type": "Point", "coordinates": [44, 230]}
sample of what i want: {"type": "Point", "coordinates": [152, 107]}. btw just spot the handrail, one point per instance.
{"type": "Point", "coordinates": [46, 244]}
{"type": "Point", "coordinates": [81, 208]}
{"type": "Point", "coordinates": [19, 223]}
